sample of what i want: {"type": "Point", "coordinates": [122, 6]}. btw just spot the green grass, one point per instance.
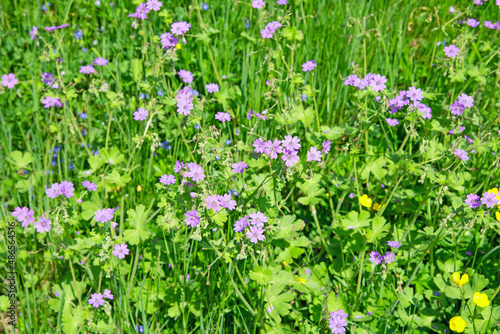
{"type": "Point", "coordinates": [424, 185]}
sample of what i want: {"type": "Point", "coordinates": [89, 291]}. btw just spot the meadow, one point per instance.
{"type": "Point", "coordinates": [256, 166]}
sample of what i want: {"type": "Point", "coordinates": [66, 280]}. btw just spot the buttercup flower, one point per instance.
{"type": "Point", "coordinates": [480, 299]}
{"type": "Point", "coordinates": [457, 324]}
{"type": "Point", "coordinates": [365, 201]}
{"type": "Point", "coordinates": [459, 281]}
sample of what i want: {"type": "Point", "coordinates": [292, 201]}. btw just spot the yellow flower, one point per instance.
{"type": "Point", "coordinates": [301, 280]}
{"type": "Point", "coordinates": [497, 215]}
{"type": "Point", "coordinates": [285, 264]}
{"type": "Point", "coordinates": [365, 201]}
{"type": "Point", "coordinates": [457, 324]}
{"type": "Point", "coordinates": [459, 281]}
{"type": "Point", "coordinates": [178, 46]}
{"type": "Point", "coordinates": [480, 299]}
{"type": "Point", "coordinates": [376, 206]}
{"type": "Point", "coordinates": [139, 188]}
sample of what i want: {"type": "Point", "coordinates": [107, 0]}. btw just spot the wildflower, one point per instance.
{"type": "Point", "coordinates": [67, 189]}
{"type": "Point", "coordinates": [290, 157]}
{"type": "Point", "coordinates": [326, 146]}
{"type": "Point", "coordinates": [78, 34]}
{"type": "Point", "coordinates": [239, 167]}
{"type": "Point", "coordinates": [302, 280]}
{"type": "Point", "coordinates": [192, 219]}
{"type": "Point", "coordinates": [472, 22]}
{"type": "Point", "coordinates": [223, 117]}
{"type": "Point", "coordinates": [282, 2]}
{"type": "Point", "coordinates": [168, 40]}
{"type": "Point", "coordinates": [24, 216]}
{"type": "Point", "coordinates": [180, 28]}
{"type": "Point", "coordinates": [290, 143]}
{"type": "Point", "coordinates": [195, 172]}
{"type": "Point", "coordinates": [457, 108]}
{"type": "Point", "coordinates": [480, 299]}
{"type": "Point", "coordinates": [489, 199]}
{"type": "Point", "coordinates": [87, 69]}
{"type": "Point", "coordinates": [376, 206]}
{"type": "Point", "coordinates": [466, 100]}
{"type": "Point", "coordinates": [240, 224]}
{"type": "Point", "coordinates": [392, 121]}
{"type": "Point", "coordinates": [365, 201]}
{"type": "Point", "coordinates": [104, 215]}
{"type": "Point", "coordinates": [461, 154]}
{"type": "Point", "coordinates": [178, 166]}
{"type": "Point", "coordinates": [273, 148]}
{"type": "Point", "coordinates": [451, 51]}
{"type": "Point", "coordinates": [260, 145]}
{"type": "Point", "coordinates": [459, 281]}
{"type": "Point", "coordinates": [337, 322]}
{"type": "Point", "coordinates": [489, 25]}
{"type": "Point", "coordinates": [141, 12]}
{"type": "Point", "coordinates": [309, 65]}
{"type": "Point", "coordinates": [43, 225]}
{"type": "Point", "coordinates": [393, 244]}
{"type": "Point", "coordinates": [255, 234]}
{"type": "Point", "coordinates": [153, 5]}
{"type": "Point", "coordinates": [167, 179]}
{"type": "Point", "coordinates": [100, 61]}
{"type": "Point", "coordinates": [258, 219]}
{"type": "Point", "coordinates": [184, 101]}
{"type": "Point", "coordinates": [473, 201]}
{"type": "Point", "coordinates": [204, 6]}
{"type": "Point", "coordinates": [212, 88]}
{"type": "Point", "coordinates": [389, 257]}
{"type": "Point", "coordinates": [141, 114]}
{"type": "Point", "coordinates": [34, 32]}
{"type": "Point", "coordinates": [378, 82]}
{"type": "Point", "coordinates": [457, 324]}
{"type": "Point", "coordinates": [270, 29]}
{"type": "Point", "coordinates": [376, 258]}
{"type": "Point", "coordinates": [186, 76]}
{"type": "Point", "coordinates": [96, 300]}
{"type": "Point", "coordinates": [313, 154]}
{"type": "Point", "coordinates": [258, 4]}
{"type": "Point", "coordinates": [107, 294]}
{"type": "Point", "coordinates": [9, 80]}
{"type": "Point", "coordinates": [351, 80]}
{"type": "Point", "coordinates": [212, 202]}
{"type": "Point", "coordinates": [120, 250]}
{"type": "Point", "coordinates": [303, 98]}
{"type": "Point", "coordinates": [415, 94]}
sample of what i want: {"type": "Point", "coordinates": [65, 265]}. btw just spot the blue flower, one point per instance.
{"type": "Point", "coordinates": [78, 34]}
{"type": "Point", "coordinates": [85, 50]}
{"type": "Point", "coordinates": [141, 96]}
{"type": "Point", "coordinates": [194, 92]}
{"type": "Point", "coordinates": [303, 97]}
{"type": "Point", "coordinates": [44, 8]}
{"type": "Point", "coordinates": [83, 115]}
{"type": "Point", "coordinates": [228, 142]}
{"type": "Point", "coordinates": [71, 166]}
{"type": "Point", "coordinates": [217, 157]}
{"type": "Point", "coordinates": [196, 126]}
{"type": "Point", "coordinates": [204, 6]}
{"type": "Point", "coordinates": [160, 93]}
{"type": "Point", "coordinates": [235, 193]}
{"type": "Point", "coordinates": [165, 145]}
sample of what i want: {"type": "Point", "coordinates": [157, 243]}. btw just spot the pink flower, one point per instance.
{"type": "Point", "coordinates": [167, 179]}
{"type": "Point", "coordinates": [9, 80]}
{"type": "Point", "coordinates": [180, 28]}
{"type": "Point", "coordinates": [255, 234]}
{"type": "Point", "coordinates": [223, 117]}
{"type": "Point", "coordinates": [314, 154]}
{"type": "Point", "coordinates": [96, 300]}
{"type": "Point", "coordinates": [192, 219]}
{"type": "Point", "coordinates": [107, 294]}
{"type": "Point", "coordinates": [104, 215]}
{"type": "Point", "coordinates": [141, 114]}
{"type": "Point", "coordinates": [100, 61]}
{"type": "Point", "coordinates": [195, 172]}
{"type": "Point", "coordinates": [153, 5]}
{"type": "Point", "coordinates": [87, 69]}
{"type": "Point", "coordinates": [309, 65]}
{"type": "Point", "coordinates": [121, 250]}
{"type": "Point", "coordinates": [212, 88]}
{"type": "Point", "coordinates": [258, 4]}
{"type": "Point", "coordinates": [451, 51]}
{"type": "Point", "coordinates": [43, 225]}
{"type": "Point", "coordinates": [186, 76]}
{"type": "Point", "coordinates": [239, 167]}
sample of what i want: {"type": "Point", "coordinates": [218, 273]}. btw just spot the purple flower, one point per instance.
{"type": "Point", "coordinates": [270, 29]}
{"type": "Point", "coordinates": [240, 224]}
{"type": "Point", "coordinates": [393, 244]}
{"type": "Point", "coordinates": [100, 61]}
{"type": "Point", "coordinates": [290, 143]}
{"type": "Point", "coordinates": [167, 179]}
{"type": "Point", "coordinates": [290, 157]}
{"type": "Point", "coordinates": [168, 40]}
{"type": "Point", "coordinates": [50, 101]}
{"type": "Point", "coordinates": [314, 154]}
{"type": "Point", "coordinates": [489, 199]}
{"type": "Point", "coordinates": [415, 94]}
{"type": "Point", "coordinates": [141, 12]}
{"type": "Point", "coordinates": [227, 202]}
{"type": "Point", "coordinates": [180, 28]}
{"type": "Point", "coordinates": [392, 121]}
{"type": "Point", "coordinates": [466, 100]}
{"type": "Point", "coordinates": [212, 88]}
{"type": "Point", "coordinates": [43, 225]}
{"type": "Point", "coordinates": [186, 76]}
{"type": "Point", "coordinates": [184, 101]}
{"type": "Point", "coordinates": [260, 145]}
{"type": "Point", "coordinates": [153, 5]}
{"type": "Point", "coordinates": [337, 322]}
{"type": "Point", "coordinates": [389, 257]}
{"type": "Point", "coordinates": [457, 108]}
{"type": "Point", "coordinates": [489, 25]}
{"type": "Point", "coordinates": [258, 219]}
{"type": "Point", "coordinates": [223, 116]}
{"type": "Point", "coordinates": [24, 216]}
{"type": "Point", "coordinates": [48, 78]}
{"type": "Point", "coordinates": [273, 148]}
{"type": "Point", "coordinates": [258, 4]}
{"type": "Point", "coordinates": [195, 172]}
{"type": "Point", "coordinates": [212, 202]}
{"type": "Point", "coordinates": [141, 114]}
{"type": "Point", "coordinates": [378, 82]}
{"type": "Point", "coordinates": [107, 294]}
{"type": "Point", "coordinates": [352, 80]}
{"type": "Point", "coordinates": [67, 189]}
{"type": "Point", "coordinates": [307, 271]}
{"type": "Point", "coordinates": [473, 201]}
{"type": "Point", "coordinates": [255, 234]}
{"type": "Point", "coordinates": [104, 215]}
{"type": "Point", "coordinates": [451, 51]}
{"type": "Point", "coordinates": [461, 154]}
{"type": "Point", "coordinates": [9, 80]}
{"type": "Point", "coordinates": [239, 167]}
{"type": "Point", "coordinates": [121, 250]}
{"type": "Point", "coordinates": [178, 166]}
{"type": "Point", "coordinates": [87, 69]}
{"type": "Point", "coordinates": [326, 146]}
{"type": "Point", "coordinates": [282, 2]}
{"type": "Point", "coordinates": [96, 300]}
{"type": "Point", "coordinates": [376, 258]}
{"type": "Point", "coordinates": [472, 23]}
{"type": "Point", "coordinates": [192, 219]}
{"type": "Point", "coordinates": [309, 65]}
{"type": "Point", "coordinates": [34, 32]}
{"type": "Point", "coordinates": [89, 185]}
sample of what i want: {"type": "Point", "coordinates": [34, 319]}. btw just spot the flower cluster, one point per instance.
{"type": "Point", "coordinates": [64, 188]}
{"type": "Point", "coordinates": [184, 101]}
{"type": "Point", "coordinates": [217, 202]}
{"type": "Point", "coordinates": [337, 321]}
{"type": "Point", "coordinates": [464, 101]}
{"type": "Point", "coordinates": [490, 198]}
{"type": "Point", "coordinates": [97, 299]}
{"type": "Point", "coordinates": [50, 101]}
{"type": "Point", "coordinates": [376, 81]}
{"type": "Point", "coordinates": [270, 29]}
{"type": "Point", "coordinates": [24, 215]}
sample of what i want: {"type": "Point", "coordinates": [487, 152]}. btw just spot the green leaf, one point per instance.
{"type": "Point", "coordinates": [116, 179]}
{"type": "Point", "coordinates": [277, 301]}
{"type": "Point", "coordinates": [111, 156]}
{"type": "Point", "coordinates": [20, 160]}
{"type": "Point", "coordinates": [137, 218]}
{"type": "Point", "coordinates": [70, 94]}
{"type": "Point", "coordinates": [72, 318]}
{"type": "Point", "coordinates": [292, 33]}
{"type": "Point", "coordinates": [261, 275]}
{"type": "Point", "coordinates": [379, 229]}
{"type": "Point", "coordinates": [220, 218]}
{"type": "Point", "coordinates": [136, 69]}
{"type": "Point", "coordinates": [356, 220]}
